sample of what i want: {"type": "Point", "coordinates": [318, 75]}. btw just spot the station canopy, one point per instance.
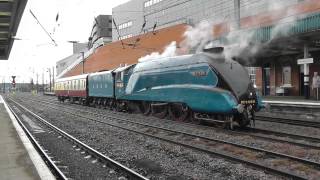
{"type": "Point", "coordinates": [10, 15]}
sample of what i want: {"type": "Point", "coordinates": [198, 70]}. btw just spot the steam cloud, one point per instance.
{"type": "Point", "coordinates": [169, 51]}
{"type": "Point", "coordinates": [198, 36]}
{"type": "Point", "coordinates": [195, 38]}
{"type": "Point", "coordinates": [239, 43]}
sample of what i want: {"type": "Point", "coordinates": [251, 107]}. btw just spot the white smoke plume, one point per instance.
{"type": "Point", "coordinates": [197, 37]}
{"type": "Point", "coordinates": [238, 43]}
{"type": "Point", "coordinates": [243, 44]}
{"type": "Point", "coordinates": [169, 51]}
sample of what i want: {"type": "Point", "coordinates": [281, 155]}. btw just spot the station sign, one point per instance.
{"type": "Point", "coordinates": [305, 61]}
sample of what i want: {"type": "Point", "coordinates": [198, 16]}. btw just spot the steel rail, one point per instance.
{"type": "Point", "coordinates": [108, 160]}
{"type": "Point", "coordinates": [221, 154]}
{"type": "Point", "coordinates": [238, 132]}
{"type": "Point", "coordinates": [313, 163]}
{"type": "Point", "coordinates": [52, 165]}
{"type": "Point", "coordinates": [304, 123]}
{"type": "Point", "coordinates": [283, 134]}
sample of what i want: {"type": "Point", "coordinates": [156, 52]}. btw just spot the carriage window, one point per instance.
{"type": "Point", "coordinates": [119, 76]}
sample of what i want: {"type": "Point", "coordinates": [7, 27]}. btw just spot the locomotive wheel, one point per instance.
{"type": "Point", "coordinates": [99, 103]}
{"type": "Point", "coordinates": [81, 101]}
{"type": "Point", "coordinates": [159, 111]}
{"type": "Point", "coordinates": [179, 112]}
{"type": "Point", "coordinates": [105, 103]}
{"type": "Point", "coordinates": [145, 108]}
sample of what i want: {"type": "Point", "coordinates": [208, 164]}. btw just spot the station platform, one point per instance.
{"type": "Point", "coordinates": [290, 100]}
{"type": "Point", "coordinates": [18, 158]}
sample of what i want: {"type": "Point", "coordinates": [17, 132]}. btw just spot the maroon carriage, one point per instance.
{"type": "Point", "coordinates": [72, 88]}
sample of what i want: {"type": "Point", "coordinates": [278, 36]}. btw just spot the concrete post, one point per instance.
{"type": "Point", "coordinates": [306, 73]}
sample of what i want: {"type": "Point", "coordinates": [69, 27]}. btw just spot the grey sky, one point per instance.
{"type": "Point", "coordinates": [35, 52]}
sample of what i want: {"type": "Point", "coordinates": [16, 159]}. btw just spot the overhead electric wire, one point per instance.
{"type": "Point", "coordinates": [34, 16]}
{"type": "Point", "coordinates": [115, 24]}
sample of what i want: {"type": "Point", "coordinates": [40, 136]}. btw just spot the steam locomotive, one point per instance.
{"type": "Point", "coordinates": [197, 87]}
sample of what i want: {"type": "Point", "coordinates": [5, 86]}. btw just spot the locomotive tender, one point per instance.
{"type": "Point", "coordinates": [197, 87]}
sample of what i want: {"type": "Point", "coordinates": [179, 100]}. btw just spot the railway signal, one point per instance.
{"type": "Point", "coordinates": [13, 81]}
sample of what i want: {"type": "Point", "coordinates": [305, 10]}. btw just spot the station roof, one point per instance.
{"type": "Point", "coordinates": [10, 15]}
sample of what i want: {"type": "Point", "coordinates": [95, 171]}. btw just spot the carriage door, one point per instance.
{"type": "Point", "coordinates": [119, 83]}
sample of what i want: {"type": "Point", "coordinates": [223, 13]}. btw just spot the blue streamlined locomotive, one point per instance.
{"type": "Point", "coordinates": [197, 87]}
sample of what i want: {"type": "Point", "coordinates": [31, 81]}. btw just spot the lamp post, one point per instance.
{"type": "Point", "coordinates": [4, 84]}
{"type": "Point", "coordinates": [42, 80]}
{"type": "Point", "coordinates": [52, 78]}
{"type": "Point", "coordinates": [82, 55]}
{"type": "Point", "coordinates": [49, 70]}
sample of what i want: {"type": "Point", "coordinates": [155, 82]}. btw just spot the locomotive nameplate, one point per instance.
{"type": "Point", "coordinates": [199, 73]}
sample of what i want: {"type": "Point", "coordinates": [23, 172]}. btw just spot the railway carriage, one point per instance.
{"type": "Point", "coordinates": [72, 88]}
{"type": "Point", "coordinates": [100, 88]}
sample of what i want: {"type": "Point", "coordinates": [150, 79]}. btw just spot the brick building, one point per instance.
{"type": "Point", "coordinates": [280, 34]}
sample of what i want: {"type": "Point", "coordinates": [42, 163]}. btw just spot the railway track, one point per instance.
{"type": "Point", "coordinates": [128, 173]}
{"type": "Point", "coordinates": [232, 151]}
{"type": "Point", "coordinates": [297, 122]}
{"type": "Point", "coordinates": [253, 132]}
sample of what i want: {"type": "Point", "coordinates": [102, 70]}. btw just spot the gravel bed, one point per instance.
{"type": "Point", "coordinates": [72, 162]}
{"type": "Point", "coordinates": [246, 140]}
{"type": "Point", "coordinates": [154, 158]}
{"type": "Point", "coordinates": [285, 148]}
